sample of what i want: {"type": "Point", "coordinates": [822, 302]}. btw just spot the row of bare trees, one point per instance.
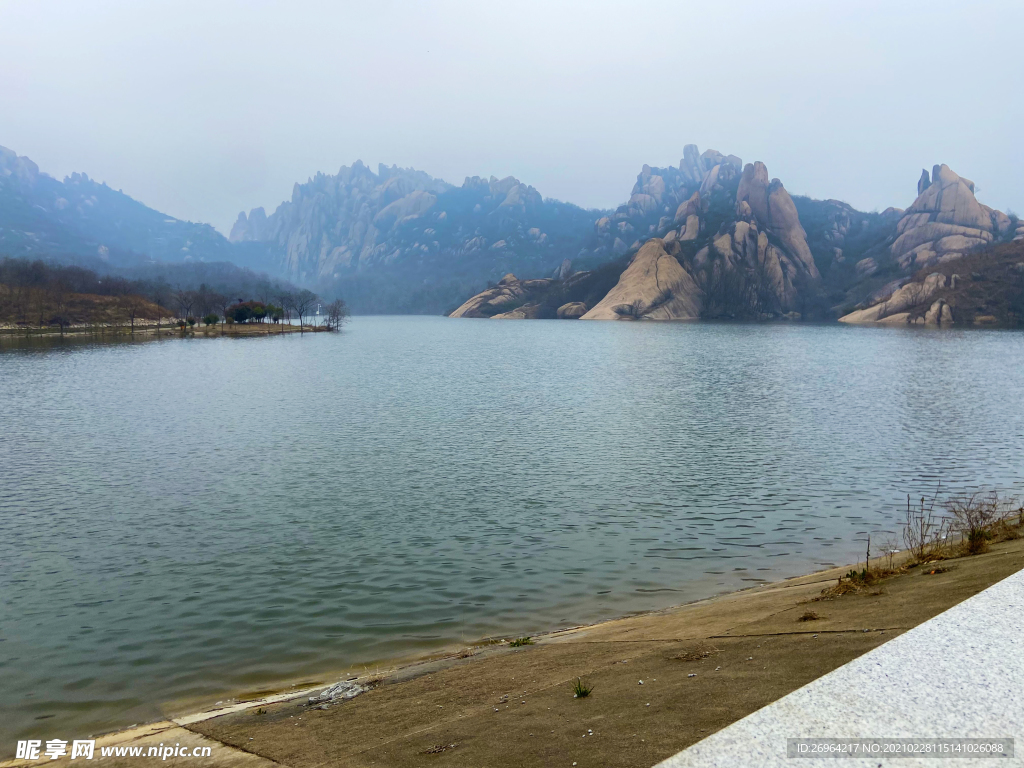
{"type": "Point", "coordinates": [44, 294]}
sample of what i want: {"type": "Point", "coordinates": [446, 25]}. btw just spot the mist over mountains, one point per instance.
{"type": "Point", "coordinates": [400, 241]}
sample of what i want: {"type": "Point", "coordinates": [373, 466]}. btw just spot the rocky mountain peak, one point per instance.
{"type": "Point", "coordinates": [945, 221]}
{"type": "Point", "coordinates": [18, 167]}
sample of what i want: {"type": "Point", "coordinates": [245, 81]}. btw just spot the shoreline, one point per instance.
{"type": "Point", "coordinates": [661, 628]}
{"type": "Point", "coordinates": [163, 330]}
{"type": "Point", "coordinates": [289, 688]}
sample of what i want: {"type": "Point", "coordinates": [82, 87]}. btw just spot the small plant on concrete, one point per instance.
{"type": "Point", "coordinates": [580, 689]}
{"type": "Point", "coordinates": [890, 547]}
{"type": "Point", "coordinates": [923, 529]}
{"type": "Point", "coordinates": [520, 641]}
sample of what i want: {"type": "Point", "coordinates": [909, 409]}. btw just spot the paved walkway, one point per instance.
{"type": "Point", "coordinates": [959, 675]}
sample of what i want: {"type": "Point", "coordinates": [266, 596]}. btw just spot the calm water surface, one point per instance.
{"type": "Point", "coordinates": [185, 519]}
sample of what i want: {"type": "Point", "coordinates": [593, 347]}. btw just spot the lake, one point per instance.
{"type": "Point", "coordinates": [183, 520]}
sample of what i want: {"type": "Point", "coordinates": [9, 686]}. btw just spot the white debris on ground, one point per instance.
{"type": "Point", "coordinates": [346, 689]}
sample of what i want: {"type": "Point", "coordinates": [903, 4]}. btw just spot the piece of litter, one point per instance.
{"type": "Point", "coordinates": [641, 682]}
{"type": "Point", "coordinates": [717, 668]}
{"type": "Point", "coordinates": [342, 690]}
{"type": "Point", "coordinates": [692, 674]}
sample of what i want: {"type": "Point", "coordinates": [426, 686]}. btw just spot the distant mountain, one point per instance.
{"type": "Point", "coordinates": [41, 216]}
{"type": "Point", "coordinates": [719, 239]}
{"type": "Point", "coordinates": [710, 238]}
{"type": "Point", "coordinates": [400, 240]}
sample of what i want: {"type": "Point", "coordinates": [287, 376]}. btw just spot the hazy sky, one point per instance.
{"type": "Point", "coordinates": [202, 109]}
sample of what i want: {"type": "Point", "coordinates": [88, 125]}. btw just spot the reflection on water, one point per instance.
{"type": "Point", "coordinates": [185, 517]}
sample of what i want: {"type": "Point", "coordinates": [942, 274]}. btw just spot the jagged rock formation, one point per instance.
{"type": "Point", "coordinates": [945, 224]}
{"type": "Point", "coordinates": [405, 229]}
{"type": "Point", "coordinates": [945, 221]}
{"type": "Point", "coordinates": [755, 261]}
{"type": "Point", "coordinates": [658, 200]}
{"type": "Point", "coordinates": [729, 243]}
{"type": "Point", "coordinates": [765, 241]}
{"type": "Point", "coordinates": [654, 287]}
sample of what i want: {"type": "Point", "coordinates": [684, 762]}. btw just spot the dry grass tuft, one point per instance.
{"type": "Point", "coordinates": [697, 652]}
{"type": "Point", "coordinates": [838, 589]}
{"type": "Point", "coordinates": [809, 616]}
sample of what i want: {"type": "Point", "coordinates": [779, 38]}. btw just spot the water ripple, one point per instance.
{"type": "Point", "coordinates": [183, 518]}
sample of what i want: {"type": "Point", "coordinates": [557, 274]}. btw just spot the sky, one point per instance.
{"type": "Point", "coordinates": [204, 109]}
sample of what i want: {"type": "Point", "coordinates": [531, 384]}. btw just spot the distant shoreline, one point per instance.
{"type": "Point", "coordinates": [166, 329]}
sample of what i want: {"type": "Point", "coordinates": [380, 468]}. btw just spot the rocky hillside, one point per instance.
{"type": "Point", "coordinates": [78, 217]}
{"type": "Point", "coordinates": [739, 246]}
{"type": "Point", "coordinates": [400, 240]}
{"type": "Point", "coordinates": [984, 287]}
{"type": "Point", "coordinates": [943, 226]}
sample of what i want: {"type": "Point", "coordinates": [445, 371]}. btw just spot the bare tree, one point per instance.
{"type": "Point", "coordinates": [284, 300]}
{"type": "Point", "coordinates": [121, 290]}
{"type": "Point", "coordinates": [264, 291]}
{"type": "Point", "coordinates": [337, 314]}
{"type": "Point", "coordinates": [132, 307]}
{"type": "Point", "coordinates": [39, 304]}
{"type": "Point", "coordinates": [186, 300]}
{"type": "Point", "coordinates": [302, 301]}
{"type": "Point", "coordinates": [59, 292]}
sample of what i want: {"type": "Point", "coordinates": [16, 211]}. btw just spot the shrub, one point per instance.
{"type": "Point", "coordinates": [973, 517]}
{"type": "Point", "coordinates": [244, 311]}
{"type": "Point", "coordinates": [211, 319]}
